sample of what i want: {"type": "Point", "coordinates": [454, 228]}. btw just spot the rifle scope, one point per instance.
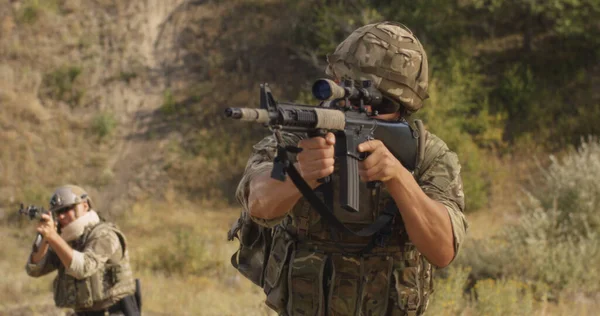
{"type": "Point", "coordinates": [327, 90]}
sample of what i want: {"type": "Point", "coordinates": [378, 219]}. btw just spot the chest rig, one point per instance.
{"type": "Point", "coordinates": [336, 262]}
{"type": "Point", "coordinates": [113, 279]}
{"type": "Point", "coordinates": [321, 215]}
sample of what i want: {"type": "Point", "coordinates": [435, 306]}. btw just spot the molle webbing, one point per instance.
{"type": "Point", "coordinates": [383, 220]}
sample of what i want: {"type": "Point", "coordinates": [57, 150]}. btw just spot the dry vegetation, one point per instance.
{"type": "Point", "coordinates": [117, 96]}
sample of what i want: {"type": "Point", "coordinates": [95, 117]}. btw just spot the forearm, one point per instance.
{"type": "Point", "coordinates": [42, 250]}
{"type": "Point", "coordinates": [61, 248]}
{"type": "Point", "coordinates": [427, 221]}
{"type": "Point", "coordinates": [270, 198]}
{"type": "Point", "coordinates": [42, 261]}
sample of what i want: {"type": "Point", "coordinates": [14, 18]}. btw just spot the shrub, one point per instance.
{"type": "Point", "coordinates": [31, 10]}
{"type": "Point", "coordinates": [169, 105]}
{"type": "Point", "coordinates": [555, 243]}
{"type": "Point", "coordinates": [104, 124]}
{"type": "Point", "coordinates": [448, 297]}
{"type": "Point", "coordinates": [61, 85]}
{"type": "Point", "coordinates": [503, 297]}
{"type": "Point", "coordinates": [184, 253]}
{"type": "Point", "coordinates": [558, 232]}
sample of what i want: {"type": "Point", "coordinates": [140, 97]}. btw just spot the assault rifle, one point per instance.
{"type": "Point", "coordinates": [35, 212]}
{"type": "Point", "coordinates": [347, 111]}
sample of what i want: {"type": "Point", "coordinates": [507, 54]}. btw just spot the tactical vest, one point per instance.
{"type": "Point", "coordinates": [113, 280]}
{"type": "Point", "coordinates": [307, 268]}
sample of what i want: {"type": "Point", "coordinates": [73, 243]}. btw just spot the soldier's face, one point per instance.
{"type": "Point", "coordinates": [72, 213]}
{"type": "Point", "coordinates": [66, 216]}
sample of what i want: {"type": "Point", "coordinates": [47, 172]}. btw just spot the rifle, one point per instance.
{"type": "Point", "coordinates": [32, 211]}
{"type": "Point", "coordinates": [35, 212]}
{"type": "Point", "coordinates": [347, 111]}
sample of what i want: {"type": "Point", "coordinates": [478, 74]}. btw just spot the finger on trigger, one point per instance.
{"type": "Point", "coordinates": [370, 145]}
{"type": "Point", "coordinates": [330, 138]}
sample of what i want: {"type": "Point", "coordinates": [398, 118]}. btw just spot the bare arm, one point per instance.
{"type": "Point", "coordinates": [37, 256]}
{"type": "Point", "coordinates": [270, 198]}
{"type": "Point", "coordinates": [427, 221]}
{"type": "Point", "coordinates": [51, 237]}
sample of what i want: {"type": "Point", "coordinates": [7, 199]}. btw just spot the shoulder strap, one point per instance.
{"type": "Point", "coordinates": [384, 219]}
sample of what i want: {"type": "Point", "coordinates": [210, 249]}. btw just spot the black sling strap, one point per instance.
{"type": "Point", "coordinates": [384, 219]}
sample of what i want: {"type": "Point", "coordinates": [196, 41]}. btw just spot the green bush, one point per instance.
{"type": "Point", "coordinates": [31, 10]}
{"type": "Point", "coordinates": [458, 112]}
{"type": "Point", "coordinates": [555, 243]}
{"type": "Point", "coordinates": [104, 124]}
{"type": "Point", "coordinates": [61, 85]}
{"type": "Point", "coordinates": [184, 254]}
{"type": "Point", "coordinates": [503, 297]}
{"type": "Point", "coordinates": [448, 298]}
{"type": "Point", "coordinates": [169, 105]}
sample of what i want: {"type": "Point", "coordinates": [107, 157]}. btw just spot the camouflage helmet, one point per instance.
{"type": "Point", "coordinates": [68, 195]}
{"type": "Point", "coordinates": [389, 55]}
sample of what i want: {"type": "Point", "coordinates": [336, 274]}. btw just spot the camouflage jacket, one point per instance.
{"type": "Point", "coordinates": [312, 270]}
{"type": "Point", "coordinates": [106, 275]}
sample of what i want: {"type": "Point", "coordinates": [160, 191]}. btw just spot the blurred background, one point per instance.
{"type": "Point", "coordinates": [125, 98]}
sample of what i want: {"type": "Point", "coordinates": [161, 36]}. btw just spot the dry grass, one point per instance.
{"type": "Point", "coordinates": [202, 282]}
{"type": "Point", "coordinates": [198, 268]}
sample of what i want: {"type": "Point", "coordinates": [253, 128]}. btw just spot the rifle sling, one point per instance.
{"type": "Point", "coordinates": [389, 212]}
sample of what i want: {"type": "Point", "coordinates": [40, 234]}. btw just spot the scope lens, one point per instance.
{"type": "Point", "coordinates": [321, 90]}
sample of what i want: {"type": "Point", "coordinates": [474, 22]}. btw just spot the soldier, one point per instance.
{"type": "Point", "coordinates": [314, 269]}
{"type": "Point", "coordinates": [94, 275]}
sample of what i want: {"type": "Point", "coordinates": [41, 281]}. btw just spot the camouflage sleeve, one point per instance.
{"type": "Point", "coordinates": [440, 179]}
{"type": "Point", "coordinates": [49, 263]}
{"type": "Point", "coordinates": [96, 252]}
{"type": "Point", "coordinates": [261, 160]}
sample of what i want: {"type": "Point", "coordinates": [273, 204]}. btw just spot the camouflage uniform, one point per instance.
{"type": "Point", "coordinates": [307, 267]}
{"type": "Point", "coordinates": [312, 269]}
{"type": "Point", "coordinates": [106, 276]}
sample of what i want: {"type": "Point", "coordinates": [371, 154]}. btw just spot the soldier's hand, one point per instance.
{"type": "Point", "coordinates": [316, 159]}
{"type": "Point", "coordinates": [380, 165]}
{"type": "Point", "coordinates": [46, 226]}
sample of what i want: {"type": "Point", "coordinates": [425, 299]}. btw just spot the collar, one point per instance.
{"type": "Point", "coordinates": [75, 229]}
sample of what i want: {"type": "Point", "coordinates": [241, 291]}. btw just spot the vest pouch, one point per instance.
{"type": "Point", "coordinates": [71, 292]}
{"type": "Point", "coordinates": [276, 271]}
{"type": "Point", "coordinates": [408, 278]}
{"type": "Point", "coordinates": [305, 280]}
{"type": "Point", "coordinates": [343, 292]}
{"type": "Point", "coordinates": [427, 283]}
{"type": "Point", "coordinates": [347, 294]}
{"type": "Point", "coordinates": [255, 243]}
{"type": "Point", "coordinates": [376, 275]}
